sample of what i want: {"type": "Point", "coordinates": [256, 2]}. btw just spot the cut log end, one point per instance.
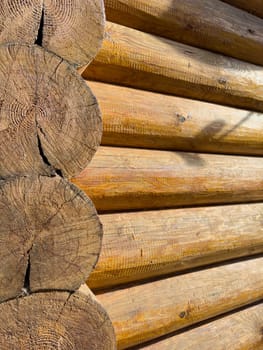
{"type": "Point", "coordinates": [55, 320]}
{"type": "Point", "coordinates": [80, 24]}
{"type": "Point", "coordinates": [49, 119]}
{"type": "Point", "coordinates": [50, 236]}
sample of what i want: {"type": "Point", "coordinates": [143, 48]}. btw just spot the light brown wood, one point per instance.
{"type": "Point", "coordinates": [71, 29]}
{"type": "Point", "coordinates": [50, 236]}
{"type": "Point", "coordinates": [241, 330]}
{"type": "Point", "coordinates": [56, 320]}
{"type": "Point", "coordinates": [49, 119]}
{"type": "Point", "coordinates": [141, 245]}
{"type": "Point", "coordinates": [137, 118]}
{"type": "Point", "coordinates": [132, 58]}
{"type": "Point", "coordinates": [144, 312]}
{"type": "Point", "coordinates": [209, 24]}
{"type": "Point", "coordinates": [253, 6]}
{"type": "Point", "coordinates": [125, 178]}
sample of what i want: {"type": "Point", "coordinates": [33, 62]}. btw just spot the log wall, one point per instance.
{"type": "Point", "coordinates": [178, 180]}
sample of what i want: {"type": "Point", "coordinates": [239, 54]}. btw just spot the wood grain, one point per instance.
{"type": "Point", "coordinates": [49, 119]}
{"type": "Point", "coordinates": [137, 118]}
{"type": "Point", "coordinates": [72, 29]}
{"type": "Point", "coordinates": [50, 236]}
{"type": "Point", "coordinates": [209, 24]}
{"type": "Point", "coordinates": [123, 178]}
{"type": "Point", "coordinates": [132, 58]}
{"type": "Point", "coordinates": [141, 245]}
{"type": "Point", "coordinates": [241, 330]}
{"type": "Point", "coordinates": [145, 312]}
{"type": "Point", "coordinates": [253, 6]}
{"type": "Point", "coordinates": [56, 320]}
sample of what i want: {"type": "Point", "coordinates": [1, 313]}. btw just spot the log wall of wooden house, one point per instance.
{"type": "Point", "coordinates": [178, 181]}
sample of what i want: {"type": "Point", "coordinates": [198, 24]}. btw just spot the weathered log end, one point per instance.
{"type": "Point", "coordinates": [56, 320]}
{"type": "Point", "coordinates": [50, 120]}
{"type": "Point", "coordinates": [72, 29]}
{"type": "Point", "coordinates": [50, 236]}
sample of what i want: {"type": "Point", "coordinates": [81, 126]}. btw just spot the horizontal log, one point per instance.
{"type": "Point", "coordinates": [141, 245]}
{"type": "Point", "coordinates": [137, 118]}
{"type": "Point", "coordinates": [122, 178]}
{"type": "Point", "coordinates": [209, 24]}
{"type": "Point", "coordinates": [253, 6]}
{"type": "Point", "coordinates": [136, 59]}
{"type": "Point", "coordinates": [144, 312]}
{"type": "Point", "coordinates": [241, 330]}
{"type": "Point", "coordinates": [56, 320]}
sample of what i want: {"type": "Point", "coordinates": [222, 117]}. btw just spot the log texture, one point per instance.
{"type": "Point", "coordinates": [137, 118]}
{"type": "Point", "coordinates": [132, 58]}
{"type": "Point", "coordinates": [122, 178]}
{"type": "Point", "coordinates": [144, 312]}
{"type": "Point", "coordinates": [50, 236]}
{"type": "Point", "coordinates": [141, 245]}
{"type": "Point", "coordinates": [253, 6]}
{"type": "Point", "coordinates": [72, 29]}
{"type": "Point", "coordinates": [56, 320]}
{"type": "Point", "coordinates": [49, 119]}
{"type": "Point", "coordinates": [209, 24]}
{"type": "Point", "coordinates": [241, 330]}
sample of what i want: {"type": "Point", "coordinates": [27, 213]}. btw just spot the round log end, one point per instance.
{"type": "Point", "coordinates": [55, 320]}
{"type": "Point", "coordinates": [50, 236]}
{"type": "Point", "coordinates": [49, 119]}
{"type": "Point", "coordinates": [72, 29]}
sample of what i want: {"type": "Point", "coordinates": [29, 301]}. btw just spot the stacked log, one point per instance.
{"type": "Point", "coordinates": [178, 181]}
{"type": "Point", "coordinates": [254, 6]}
{"type": "Point", "coordinates": [50, 125]}
{"type": "Point", "coordinates": [135, 59]}
{"type": "Point", "coordinates": [209, 24]}
{"type": "Point", "coordinates": [144, 119]}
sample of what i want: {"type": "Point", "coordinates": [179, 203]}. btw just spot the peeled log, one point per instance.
{"type": "Point", "coordinates": [253, 6]}
{"type": "Point", "coordinates": [123, 178]}
{"type": "Point", "coordinates": [241, 330]}
{"type": "Point", "coordinates": [137, 118]}
{"type": "Point", "coordinates": [132, 58]}
{"type": "Point", "coordinates": [50, 236]}
{"type": "Point", "coordinates": [145, 312]}
{"type": "Point", "coordinates": [72, 29]}
{"type": "Point", "coordinates": [209, 24]}
{"type": "Point", "coordinates": [49, 119]}
{"type": "Point", "coordinates": [141, 245]}
{"type": "Point", "coordinates": [56, 320]}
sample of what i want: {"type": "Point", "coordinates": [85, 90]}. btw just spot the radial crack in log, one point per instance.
{"type": "Point", "coordinates": [79, 23]}
{"type": "Point", "coordinates": [50, 236]}
{"type": "Point", "coordinates": [49, 119]}
{"type": "Point", "coordinates": [56, 320]}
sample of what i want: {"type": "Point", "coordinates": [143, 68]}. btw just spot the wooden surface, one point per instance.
{"type": "Point", "coordinates": [50, 236]}
{"type": "Point", "coordinates": [141, 245]}
{"type": "Point", "coordinates": [132, 58]}
{"type": "Point", "coordinates": [123, 178]}
{"type": "Point", "coordinates": [137, 118]}
{"type": "Point", "coordinates": [208, 24]}
{"type": "Point", "coordinates": [253, 6]}
{"type": "Point", "coordinates": [49, 119]}
{"type": "Point", "coordinates": [144, 312]}
{"type": "Point", "coordinates": [72, 29]}
{"type": "Point", "coordinates": [56, 320]}
{"type": "Point", "coordinates": [241, 330]}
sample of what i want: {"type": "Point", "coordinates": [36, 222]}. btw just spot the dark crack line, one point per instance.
{"type": "Point", "coordinates": [26, 286]}
{"type": "Point", "coordinates": [54, 171]}
{"type": "Point", "coordinates": [39, 38]}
